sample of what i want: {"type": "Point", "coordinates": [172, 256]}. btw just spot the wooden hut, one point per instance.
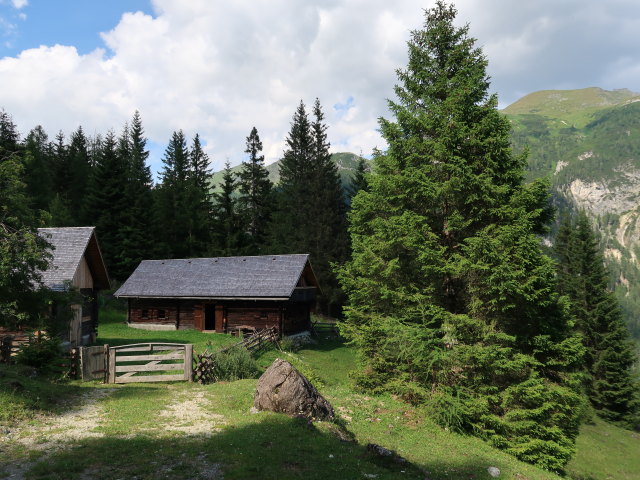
{"type": "Point", "coordinates": [77, 262]}
{"type": "Point", "coordinates": [224, 294]}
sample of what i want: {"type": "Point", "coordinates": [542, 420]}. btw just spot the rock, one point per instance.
{"type": "Point", "coordinates": [494, 471]}
{"type": "Point", "coordinates": [283, 389]}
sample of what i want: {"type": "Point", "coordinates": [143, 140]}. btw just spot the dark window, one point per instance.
{"type": "Point", "coordinates": [145, 313]}
{"type": "Point", "coordinates": [161, 314]}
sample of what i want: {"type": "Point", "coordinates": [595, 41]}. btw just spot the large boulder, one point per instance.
{"type": "Point", "coordinates": [281, 388]}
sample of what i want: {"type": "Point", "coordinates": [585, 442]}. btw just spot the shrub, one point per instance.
{"type": "Point", "coordinates": [41, 353]}
{"type": "Point", "coordinates": [234, 364]}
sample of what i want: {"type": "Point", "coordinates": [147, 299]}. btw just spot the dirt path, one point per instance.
{"type": "Point", "coordinates": [189, 414]}
{"type": "Point", "coordinates": [51, 434]}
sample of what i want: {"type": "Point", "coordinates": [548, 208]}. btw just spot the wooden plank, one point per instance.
{"type": "Point", "coordinates": [141, 348]}
{"type": "Point", "coordinates": [140, 358]}
{"type": "Point", "coordinates": [188, 362]}
{"type": "Point", "coordinates": [150, 378]}
{"type": "Point", "coordinates": [136, 345]}
{"type": "Point", "coordinates": [150, 368]}
{"type": "Point", "coordinates": [112, 365]}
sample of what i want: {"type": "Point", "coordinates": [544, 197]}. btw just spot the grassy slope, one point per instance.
{"type": "Point", "coordinates": [274, 446]}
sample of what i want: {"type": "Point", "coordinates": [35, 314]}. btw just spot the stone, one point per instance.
{"type": "Point", "coordinates": [494, 471]}
{"type": "Point", "coordinates": [283, 389]}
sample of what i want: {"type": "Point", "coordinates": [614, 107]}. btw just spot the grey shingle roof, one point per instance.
{"type": "Point", "coordinates": [269, 276]}
{"type": "Point", "coordinates": [69, 245]}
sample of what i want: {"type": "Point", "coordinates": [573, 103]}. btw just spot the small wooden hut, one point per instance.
{"type": "Point", "coordinates": [77, 262]}
{"type": "Point", "coordinates": [223, 295]}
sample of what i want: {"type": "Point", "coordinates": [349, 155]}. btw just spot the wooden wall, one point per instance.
{"type": "Point", "coordinates": [230, 314]}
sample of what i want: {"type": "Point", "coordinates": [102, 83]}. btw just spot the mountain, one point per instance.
{"type": "Point", "coordinates": [587, 142]}
{"type": "Point", "coordinates": [346, 162]}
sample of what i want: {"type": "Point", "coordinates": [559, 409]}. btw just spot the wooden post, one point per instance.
{"type": "Point", "coordinates": [105, 376]}
{"type": "Point", "coordinates": [188, 362]}
{"type": "Point", "coordinates": [112, 366]}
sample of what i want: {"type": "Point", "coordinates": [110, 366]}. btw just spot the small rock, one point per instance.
{"type": "Point", "coordinates": [494, 471]}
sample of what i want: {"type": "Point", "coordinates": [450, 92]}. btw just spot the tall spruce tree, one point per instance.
{"type": "Point", "coordinates": [79, 164]}
{"type": "Point", "coordinates": [172, 198]}
{"type": "Point", "coordinates": [228, 234]}
{"type": "Point", "coordinates": [609, 350]}
{"type": "Point", "coordinates": [451, 301]}
{"type": "Point", "coordinates": [198, 200]}
{"type": "Point", "coordinates": [38, 174]}
{"type": "Point", "coordinates": [256, 196]}
{"type": "Point", "coordinates": [138, 221]}
{"type": "Point", "coordinates": [311, 209]}
{"type": "Point", "coordinates": [106, 205]}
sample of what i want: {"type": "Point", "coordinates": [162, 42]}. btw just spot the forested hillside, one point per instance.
{"type": "Point", "coordinates": [588, 143]}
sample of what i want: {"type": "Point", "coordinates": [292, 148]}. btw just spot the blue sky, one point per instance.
{"type": "Point", "coordinates": [220, 67]}
{"type": "Point", "coordinates": [66, 22]}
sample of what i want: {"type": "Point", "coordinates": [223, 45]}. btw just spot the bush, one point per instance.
{"type": "Point", "coordinates": [41, 353]}
{"type": "Point", "coordinates": [234, 364]}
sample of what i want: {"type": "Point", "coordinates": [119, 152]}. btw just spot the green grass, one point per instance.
{"type": "Point", "coordinates": [113, 330]}
{"type": "Point", "coordinates": [25, 394]}
{"type": "Point", "coordinates": [606, 452]}
{"type": "Point", "coordinates": [138, 440]}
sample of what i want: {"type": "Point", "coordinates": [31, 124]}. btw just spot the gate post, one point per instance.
{"type": "Point", "coordinates": [112, 366]}
{"type": "Point", "coordinates": [188, 362]}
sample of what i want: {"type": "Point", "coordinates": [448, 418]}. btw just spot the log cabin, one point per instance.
{"type": "Point", "coordinates": [222, 295]}
{"type": "Point", "coordinates": [77, 262]}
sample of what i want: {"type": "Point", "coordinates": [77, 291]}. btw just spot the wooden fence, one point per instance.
{"type": "Point", "coordinates": [204, 371]}
{"type": "Point", "coordinates": [138, 363]}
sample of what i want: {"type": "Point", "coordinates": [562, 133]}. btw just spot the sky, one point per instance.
{"type": "Point", "coordinates": [218, 68]}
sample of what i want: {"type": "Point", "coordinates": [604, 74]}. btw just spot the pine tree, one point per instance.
{"type": "Point", "coordinates": [256, 196]}
{"type": "Point", "coordinates": [311, 209]}
{"type": "Point", "coordinates": [451, 301]}
{"type": "Point", "coordinates": [359, 179]}
{"type": "Point", "coordinates": [106, 205]}
{"type": "Point", "coordinates": [79, 164]}
{"type": "Point", "coordinates": [228, 236]}
{"type": "Point", "coordinates": [609, 351]}
{"type": "Point", "coordinates": [38, 168]}
{"type": "Point", "coordinates": [138, 222]}
{"type": "Point", "coordinates": [198, 201]}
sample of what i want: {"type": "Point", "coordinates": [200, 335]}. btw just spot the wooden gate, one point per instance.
{"type": "Point", "coordinates": [150, 362]}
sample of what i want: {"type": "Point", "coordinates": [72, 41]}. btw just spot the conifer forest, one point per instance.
{"type": "Point", "coordinates": [432, 257]}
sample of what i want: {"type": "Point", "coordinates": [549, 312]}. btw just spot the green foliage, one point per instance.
{"type": "Point", "coordinates": [256, 195]}
{"type": "Point", "coordinates": [23, 253]}
{"type": "Point", "coordinates": [310, 212]}
{"type": "Point", "coordinates": [234, 364]}
{"type": "Point", "coordinates": [40, 353]}
{"type": "Point", "coordinates": [451, 301]}
{"type": "Point", "coordinates": [609, 351]}
{"type": "Point", "coordinates": [228, 235]}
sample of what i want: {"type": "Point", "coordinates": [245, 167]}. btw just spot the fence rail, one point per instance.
{"type": "Point", "coordinates": [142, 368]}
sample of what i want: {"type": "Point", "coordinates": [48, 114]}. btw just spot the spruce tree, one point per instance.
{"type": "Point", "coordinates": [138, 221]}
{"type": "Point", "coordinates": [451, 301]}
{"type": "Point", "coordinates": [311, 209]}
{"type": "Point", "coordinates": [609, 351]}
{"type": "Point", "coordinates": [106, 205]}
{"type": "Point", "coordinates": [256, 196]}
{"type": "Point", "coordinates": [359, 179]}
{"type": "Point", "coordinates": [38, 168]}
{"type": "Point", "coordinates": [228, 235]}
{"type": "Point", "coordinates": [79, 164]}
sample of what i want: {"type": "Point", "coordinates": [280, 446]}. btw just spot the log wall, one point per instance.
{"type": "Point", "coordinates": [190, 314]}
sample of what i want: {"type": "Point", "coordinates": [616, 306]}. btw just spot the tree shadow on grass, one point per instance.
{"type": "Point", "coordinates": [276, 447]}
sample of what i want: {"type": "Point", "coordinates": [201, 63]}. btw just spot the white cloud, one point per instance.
{"type": "Point", "coordinates": [19, 3]}
{"type": "Point", "coordinates": [219, 68]}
